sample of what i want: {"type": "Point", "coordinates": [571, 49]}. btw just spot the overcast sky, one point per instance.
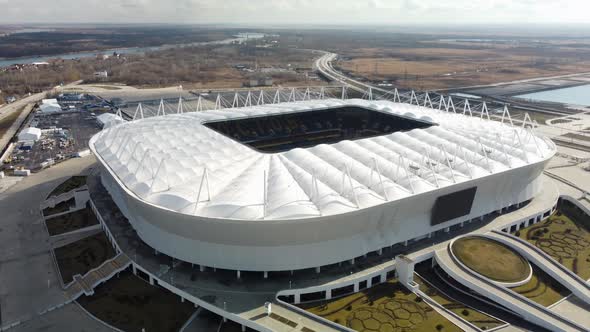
{"type": "Point", "coordinates": [295, 11]}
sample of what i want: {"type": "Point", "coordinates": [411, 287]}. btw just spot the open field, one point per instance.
{"type": "Point", "coordinates": [129, 303]}
{"type": "Point", "coordinates": [491, 259]}
{"type": "Point", "coordinates": [479, 319]}
{"type": "Point", "coordinates": [82, 256]}
{"type": "Point", "coordinates": [428, 65]}
{"type": "Point", "coordinates": [565, 236]}
{"type": "Point", "coordinates": [385, 307]}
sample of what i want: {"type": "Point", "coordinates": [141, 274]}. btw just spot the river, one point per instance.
{"type": "Point", "coordinates": [577, 95]}
{"type": "Point", "coordinates": [241, 37]}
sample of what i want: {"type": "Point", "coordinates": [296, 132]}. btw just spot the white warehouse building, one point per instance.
{"type": "Point", "coordinates": [307, 184]}
{"type": "Point", "coordinates": [29, 134]}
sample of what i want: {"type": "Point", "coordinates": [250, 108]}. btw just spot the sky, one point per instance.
{"type": "Point", "coordinates": [324, 12]}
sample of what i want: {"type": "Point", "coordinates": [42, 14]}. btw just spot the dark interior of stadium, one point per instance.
{"type": "Point", "coordinates": [283, 132]}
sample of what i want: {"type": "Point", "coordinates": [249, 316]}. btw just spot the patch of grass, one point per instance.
{"type": "Point", "coordinates": [479, 319]}
{"type": "Point", "coordinates": [565, 236]}
{"type": "Point", "coordinates": [68, 185]}
{"type": "Point", "coordinates": [542, 288]}
{"type": "Point", "coordinates": [71, 221]}
{"type": "Point", "coordinates": [60, 207]}
{"type": "Point", "coordinates": [107, 87]}
{"type": "Point", "coordinates": [385, 307]}
{"type": "Point", "coordinates": [131, 304]}
{"type": "Point", "coordinates": [82, 256]}
{"type": "Point", "coordinates": [7, 122]}
{"type": "Point", "coordinates": [491, 259]}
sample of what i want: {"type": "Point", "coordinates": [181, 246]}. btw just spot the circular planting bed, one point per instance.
{"type": "Point", "coordinates": [491, 259]}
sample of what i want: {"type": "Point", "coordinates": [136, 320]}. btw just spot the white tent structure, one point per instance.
{"type": "Point", "coordinates": [205, 198]}
{"type": "Point", "coordinates": [30, 134]}
{"type": "Point", "coordinates": [109, 119]}
{"type": "Point", "coordinates": [49, 106]}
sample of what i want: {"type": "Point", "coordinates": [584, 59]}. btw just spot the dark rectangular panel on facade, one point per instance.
{"type": "Point", "coordinates": [452, 206]}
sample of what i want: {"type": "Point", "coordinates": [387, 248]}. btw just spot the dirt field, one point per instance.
{"type": "Point", "coordinates": [71, 221]}
{"type": "Point", "coordinates": [131, 304]}
{"type": "Point", "coordinates": [82, 256]}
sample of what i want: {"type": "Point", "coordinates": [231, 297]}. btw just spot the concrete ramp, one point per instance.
{"type": "Point", "coordinates": [567, 278]}
{"type": "Point", "coordinates": [529, 310]}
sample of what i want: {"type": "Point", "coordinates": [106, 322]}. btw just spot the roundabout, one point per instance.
{"type": "Point", "coordinates": [492, 260]}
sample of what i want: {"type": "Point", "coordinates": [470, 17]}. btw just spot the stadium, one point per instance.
{"type": "Point", "coordinates": [307, 184]}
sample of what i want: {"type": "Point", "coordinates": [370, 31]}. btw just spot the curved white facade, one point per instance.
{"type": "Point", "coordinates": [307, 207]}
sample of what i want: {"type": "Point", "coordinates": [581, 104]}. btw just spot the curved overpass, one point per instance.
{"type": "Point", "coordinates": [572, 281]}
{"type": "Point", "coordinates": [519, 304]}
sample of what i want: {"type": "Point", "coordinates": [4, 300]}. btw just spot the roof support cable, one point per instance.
{"type": "Point", "coordinates": [396, 95]}
{"type": "Point", "coordinates": [277, 97]}
{"type": "Point", "coordinates": [260, 98]}
{"type": "Point", "coordinates": [141, 161]}
{"type": "Point", "coordinates": [117, 130]}
{"type": "Point", "coordinates": [236, 101]}
{"type": "Point", "coordinates": [180, 108]}
{"type": "Point", "coordinates": [122, 144]}
{"type": "Point", "coordinates": [467, 107]}
{"type": "Point", "coordinates": [504, 150]}
{"type": "Point", "coordinates": [442, 148]}
{"type": "Point", "coordinates": [161, 108]}
{"type": "Point", "coordinates": [200, 104]}
{"type": "Point", "coordinates": [467, 162]}
{"type": "Point", "coordinates": [402, 162]}
{"type": "Point", "coordinates": [522, 146]}
{"type": "Point", "coordinates": [356, 201]}
{"type": "Point", "coordinates": [248, 99]}
{"type": "Point", "coordinates": [534, 137]}
{"type": "Point", "coordinates": [413, 97]}
{"type": "Point", "coordinates": [506, 114]}
{"type": "Point", "coordinates": [485, 153]}
{"type": "Point", "coordinates": [156, 175]}
{"type": "Point", "coordinates": [450, 104]}
{"type": "Point", "coordinates": [442, 102]}
{"type": "Point", "coordinates": [484, 109]}
{"type": "Point", "coordinates": [292, 96]}
{"type": "Point", "coordinates": [131, 156]}
{"type": "Point", "coordinates": [203, 179]}
{"type": "Point", "coordinates": [218, 102]}
{"type": "Point", "coordinates": [380, 178]}
{"type": "Point", "coordinates": [429, 163]}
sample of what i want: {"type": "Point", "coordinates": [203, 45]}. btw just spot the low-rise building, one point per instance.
{"type": "Point", "coordinates": [29, 134]}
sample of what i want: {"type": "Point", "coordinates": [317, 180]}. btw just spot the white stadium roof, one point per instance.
{"type": "Point", "coordinates": [175, 161]}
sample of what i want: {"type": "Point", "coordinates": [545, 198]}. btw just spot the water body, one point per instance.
{"type": "Point", "coordinates": [239, 38]}
{"type": "Point", "coordinates": [578, 95]}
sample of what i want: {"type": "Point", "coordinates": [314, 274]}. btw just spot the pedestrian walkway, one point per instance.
{"type": "Point", "coordinates": [85, 284]}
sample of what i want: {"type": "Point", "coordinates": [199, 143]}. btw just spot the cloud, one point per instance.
{"type": "Point", "coordinates": [294, 11]}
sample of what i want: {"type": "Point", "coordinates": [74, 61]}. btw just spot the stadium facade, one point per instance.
{"type": "Point", "coordinates": [307, 184]}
